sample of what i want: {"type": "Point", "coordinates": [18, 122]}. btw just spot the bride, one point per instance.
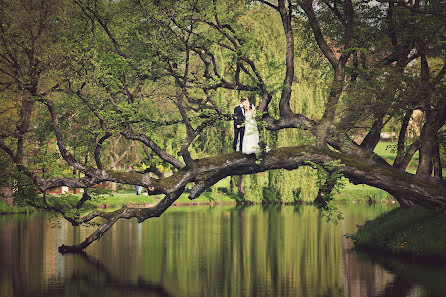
{"type": "Point", "coordinates": [250, 143]}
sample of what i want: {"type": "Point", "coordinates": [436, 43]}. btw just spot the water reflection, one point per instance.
{"type": "Point", "coordinates": [193, 251]}
{"type": "Point", "coordinates": [413, 276]}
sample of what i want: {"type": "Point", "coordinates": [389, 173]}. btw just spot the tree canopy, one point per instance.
{"type": "Point", "coordinates": [82, 81]}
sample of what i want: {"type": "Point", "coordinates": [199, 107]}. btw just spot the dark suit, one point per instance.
{"type": "Point", "coordinates": [239, 119]}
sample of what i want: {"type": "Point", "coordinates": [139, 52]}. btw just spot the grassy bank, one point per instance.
{"type": "Point", "coordinates": [126, 199]}
{"type": "Point", "coordinates": [414, 231]}
{"type": "Point", "coordinates": [5, 209]}
{"type": "Point", "coordinates": [118, 200]}
{"type": "Point", "coordinates": [362, 193]}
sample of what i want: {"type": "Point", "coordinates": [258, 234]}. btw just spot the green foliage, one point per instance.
{"type": "Point", "coordinates": [24, 193]}
{"type": "Point", "coordinates": [105, 83]}
{"type": "Point", "coordinates": [7, 209]}
{"type": "Point", "coordinates": [332, 214]}
{"type": "Point", "coordinates": [7, 168]}
{"type": "Point", "coordinates": [362, 193]}
{"type": "Point", "coordinates": [329, 178]}
{"type": "Point", "coordinates": [297, 195]}
{"type": "Point", "coordinates": [67, 201]}
{"type": "Point", "coordinates": [415, 230]}
{"type": "Point", "coordinates": [271, 195]}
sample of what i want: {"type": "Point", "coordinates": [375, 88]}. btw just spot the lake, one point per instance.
{"type": "Point", "coordinates": [232, 251]}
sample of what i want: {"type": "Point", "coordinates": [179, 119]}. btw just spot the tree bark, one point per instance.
{"type": "Point", "coordinates": [428, 140]}
{"type": "Point", "coordinates": [338, 64]}
{"type": "Point", "coordinates": [404, 161]}
{"type": "Point", "coordinates": [402, 138]}
{"type": "Point", "coordinates": [372, 138]}
{"type": "Point", "coordinates": [435, 119]}
{"type": "Point", "coordinates": [436, 162]}
{"type": "Point", "coordinates": [285, 14]}
{"type": "Point", "coordinates": [126, 213]}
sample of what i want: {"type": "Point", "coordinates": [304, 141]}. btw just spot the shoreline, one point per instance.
{"type": "Point", "coordinates": [207, 203]}
{"type": "Point", "coordinates": [408, 256]}
{"type": "Point", "coordinates": [411, 233]}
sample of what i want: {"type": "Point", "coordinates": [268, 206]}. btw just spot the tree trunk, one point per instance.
{"type": "Point", "coordinates": [429, 139]}
{"type": "Point", "coordinates": [372, 138]}
{"type": "Point", "coordinates": [6, 195]}
{"type": "Point", "coordinates": [240, 185]}
{"type": "Point", "coordinates": [428, 142]}
{"type": "Point", "coordinates": [436, 161]}
{"type": "Point", "coordinates": [402, 139]}
{"type": "Point", "coordinates": [402, 162]}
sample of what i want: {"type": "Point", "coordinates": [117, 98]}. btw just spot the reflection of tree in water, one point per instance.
{"type": "Point", "coordinates": [96, 280]}
{"type": "Point", "coordinates": [400, 287]}
{"type": "Point", "coordinates": [361, 278]}
{"type": "Point", "coordinates": [412, 275]}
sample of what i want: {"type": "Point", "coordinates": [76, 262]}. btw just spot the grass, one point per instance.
{"type": "Point", "coordinates": [209, 197]}
{"type": "Point", "coordinates": [351, 192]}
{"type": "Point", "coordinates": [120, 199]}
{"type": "Point", "coordinates": [126, 198]}
{"type": "Point", "coordinates": [414, 231]}
{"type": "Point", "coordinates": [4, 208]}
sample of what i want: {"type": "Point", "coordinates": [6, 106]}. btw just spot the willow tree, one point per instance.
{"type": "Point", "coordinates": [137, 69]}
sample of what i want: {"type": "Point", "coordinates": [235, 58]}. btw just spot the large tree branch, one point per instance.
{"type": "Point", "coordinates": [336, 11]}
{"type": "Point", "coordinates": [307, 6]}
{"type": "Point", "coordinates": [348, 35]}
{"type": "Point", "coordinates": [373, 136]}
{"type": "Point", "coordinates": [423, 191]}
{"type": "Point", "coordinates": [285, 14]}
{"type": "Point", "coordinates": [86, 10]}
{"type": "Point", "coordinates": [291, 121]}
{"type": "Point", "coordinates": [98, 149]}
{"type": "Point", "coordinates": [60, 139]}
{"type": "Point", "coordinates": [440, 75]}
{"type": "Point", "coordinates": [155, 148]}
{"type": "Point", "coordinates": [402, 138]}
{"type": "Point", "coordinates": [123, 213]}
{"type": "Point", "coordinates": [269, 4]}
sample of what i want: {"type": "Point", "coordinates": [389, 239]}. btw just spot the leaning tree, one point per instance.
{"type": "Point", "coordinates": [85, 72]}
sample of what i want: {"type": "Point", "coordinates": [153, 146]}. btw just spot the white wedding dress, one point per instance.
{"type": "Point", "coordinates": [250, 143]}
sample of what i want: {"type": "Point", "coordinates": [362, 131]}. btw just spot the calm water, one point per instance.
{"type": "Point", "coordinates": [207, 251]}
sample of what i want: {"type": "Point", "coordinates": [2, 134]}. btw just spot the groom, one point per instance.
{"type": "Point", "coordinates": [239, 129]}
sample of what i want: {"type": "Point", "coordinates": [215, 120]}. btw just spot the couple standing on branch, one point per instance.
{"type": "Point", "coordinates": [246, 134]}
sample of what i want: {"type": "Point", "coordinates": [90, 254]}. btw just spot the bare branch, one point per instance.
{"type": "Point", "coordinates": [123, 213]}
{"type": "Point", "coordinates": [117, 46]}
{"type": "Point", "coordinates": [156, 149]}
{"type": "Point", "coordinates": [284, 104]}
{"type": "Point", "coordinates": [97, 151]}
{"type": "Point", "coordinates": [60, 139]}
{"type": "Point", "coordinates": [439, 76]}
{"type": "Point", "coordinates": [269, 4]}
{"type": "Point", "coordinates": [336, 12]}
{"type": "Point", "coordinates": [307, 6]}
{"type": "Point", "coordinates": [348, 36]}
